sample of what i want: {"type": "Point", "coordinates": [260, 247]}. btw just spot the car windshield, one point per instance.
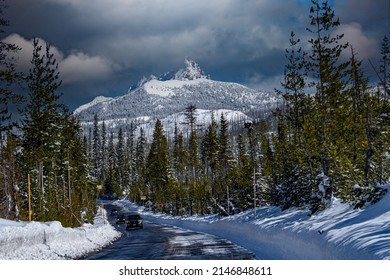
{"type": "Point", "coordinates": [134, 217]}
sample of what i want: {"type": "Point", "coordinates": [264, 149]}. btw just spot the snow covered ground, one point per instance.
{"type": "Point", "coordinates": [51, 241]}
{"type": "Point", "coordinates": [339, 232]}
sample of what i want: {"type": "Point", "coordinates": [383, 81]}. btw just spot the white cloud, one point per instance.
{"type": "Point", "coordinates": [75, 67]}
{"type": "Point", "coordinates": [365, 46]}
{"type": "Point", "coordinates": [267, 83]}
{"type": "Point", "coordinates": [81, 67]}
{"type": "Point", "coordinates": [24, 56]}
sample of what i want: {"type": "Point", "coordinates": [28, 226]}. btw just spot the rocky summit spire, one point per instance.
{"type": "Point", "coordinates": [192, 71]}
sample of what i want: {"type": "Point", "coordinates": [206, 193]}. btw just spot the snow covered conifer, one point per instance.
{"type": "Point", "coordinates": [158, 169]}
{"type": "Point", "coordinates": [53, 153]}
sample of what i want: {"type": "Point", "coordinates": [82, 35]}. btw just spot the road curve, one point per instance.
{"type": "Point", "coordinates": [163, 242]}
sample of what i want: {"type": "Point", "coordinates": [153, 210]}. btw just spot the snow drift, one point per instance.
{"type": "Point", "coordinates": [36, 240]}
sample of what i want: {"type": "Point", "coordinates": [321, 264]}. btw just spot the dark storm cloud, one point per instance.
{"type": "Point", "coordinates": [364, 23]}
{"type": "Point", "coordinates": [373, 15]}
{"type": "Point", "coordinates": [106, 45]}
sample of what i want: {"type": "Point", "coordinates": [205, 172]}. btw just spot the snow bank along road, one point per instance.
{"type": "Point", "coordinates": [51, 241]}
{"type": "Point", "coordinates": [338, 232]}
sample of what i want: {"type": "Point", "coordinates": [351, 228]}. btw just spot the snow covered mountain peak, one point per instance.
{"type": "Point", "coordinates": [97, 100]}
{"type": "Point", "coordinates": [192, 71]}
{"type": "Point", "coordinates": [167, 97]}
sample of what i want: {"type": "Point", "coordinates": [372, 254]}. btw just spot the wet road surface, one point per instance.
{"type": "Point", "coordinates": [162, 242]}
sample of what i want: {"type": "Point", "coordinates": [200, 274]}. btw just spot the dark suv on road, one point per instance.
{"type": "Point", "coordinates": [134, 221]}
{"type": "Point", "coordinates": [120, 219]}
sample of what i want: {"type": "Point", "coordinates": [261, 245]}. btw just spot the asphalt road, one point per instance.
{"type": "Point", "coordinates": [162, 242]}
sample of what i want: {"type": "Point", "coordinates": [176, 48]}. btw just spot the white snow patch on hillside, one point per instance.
{"type": "Point", "coordinates": [97, 100]}
{"type": "Point", "coordinates": [167, 88]}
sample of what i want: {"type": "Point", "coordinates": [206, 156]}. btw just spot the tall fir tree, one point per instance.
{"type": "Point", "coordinates": [385, 65]}
{"type": "Point", "coordinates": [193, 156]}
{"type": "Point", "coordinates": [293, 184]}
{"type": "Point", "coordinates": [158, 168]}
{"type": "Point", "coordinates": [140, 157]}
{"type": "Point", "coordinates": [42, 124]}
{"type": "Point", "coordinates": [8, 142]}
{"type": "Point", "coordinates": [244, 180]}
{"type": "Point", "coordinates": [103, 155]}
{"type": "Point", "coordinates": [9, 178]}
{"type": "Point", "coordinates": [324, 64]}
{"type": "Point", "coordinates": [210, 147]}
{"type": "Point", "coordinates": [111, 184]}
{"type": "Point", "coordinates": [120, 153]}
{"type": "Point", "coordinates": [225, 160]}
{"type": "Point", "coordinates": [8, 77]}
{"type": "Point", "coordinates": [53, 153]}
{"type": "Point", "coordinates": [97, 149]}
{"type": "Point", "coordinates": [180, 163]}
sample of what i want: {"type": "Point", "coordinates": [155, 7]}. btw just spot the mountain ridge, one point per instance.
{"type": "Point", "coordinates": [171, 93]}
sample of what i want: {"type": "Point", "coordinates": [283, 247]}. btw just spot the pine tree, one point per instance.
{"type": "Point", "coordinates": [194, 159]}
{"type": "Point", "coordinates": [158, 167]}
{"type": "Point", "coordinates": [255, 155]}
{"type": "Point", "coordinates": [210, 146]}
{"type": "Point", "coordinates": [225, 160]}
{"type": "Point", "coordinates": [330, 143]}
{"type": "Point", "coordinates": [129, 167]}
{"type": "Point", "coordinates": [112, 186]}
{"type": "Point", "coordinates": [81, 192]}
{"type": "Point", "coordinates": [8, 78]}
{"type": "Point", "coordinates": [9, 177]}
{"type": "Point", "coordinates": [290, 134]}
{"type": "Point", "coordinates": [120, 153]}
{"type": "Point", "coordinates": [42, 124]}
{"type": "Point", "coordinates": [97, 149]}
{"type": "Point", "coordinates": [190, 114]}
{"type": "Point", "coordinates": [244, 179]}
{"type": "Point", "coordinates": [131, 145]}
{"type": "Point", "coordinates": [348, 155]}
{"type": "Point", "coordinates": [180, 163]}
{"type": "Point", "coordinates": [138, 183]}
{"type": "Point", "coordinates": [53, 153]}
{"type": "Point", "coordinates": [385, 65]}
{"type": "Point", "coordinates": [103, 150]}
{"type": "Point", "coordinates": [294, 85]}
{"type": "Point", "coordinates": [8, 142]}
{"type": "Point", "coordinates": [140, 156]}
{"type": "Point", "coordinates": [325, 66]}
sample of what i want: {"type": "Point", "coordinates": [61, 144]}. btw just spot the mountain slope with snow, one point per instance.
{"type": "Point", "coordinates": [97, 100]}
{"type": "Point", "coordinates": [171, 94]}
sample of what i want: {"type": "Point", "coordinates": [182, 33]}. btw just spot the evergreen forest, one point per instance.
{"type": "Point", "coordinates": [330, 138]}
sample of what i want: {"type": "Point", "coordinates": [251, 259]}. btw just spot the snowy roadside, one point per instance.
{"type": "Point", "coordinates": [51, 241]}
{"type": "Point", "coordinates": [339, 232]}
